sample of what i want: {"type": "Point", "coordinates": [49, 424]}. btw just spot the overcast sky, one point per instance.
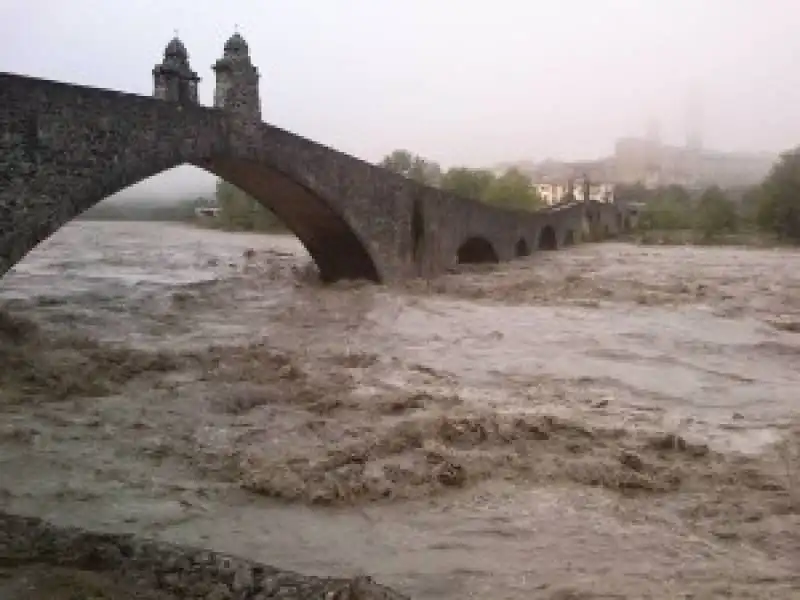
{"type": "Point", "coordinates": [461, 81]}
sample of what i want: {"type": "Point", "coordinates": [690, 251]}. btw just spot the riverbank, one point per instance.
{"type": "Point", "coordinates": [683, 237]}
{"type": "Point", "coordinates": [41, 562]}
{"type": "Point", "coordinates": [216, 224]}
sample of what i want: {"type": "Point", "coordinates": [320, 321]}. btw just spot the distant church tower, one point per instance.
{"type": "Point", "coordinates": [237, 80]}
{"type": "Point", "coordinates": [694, 120]}
{"type": "Point", "coordinates": [653, 132]}
{"type": "Point", "coordinates": [173, 79]}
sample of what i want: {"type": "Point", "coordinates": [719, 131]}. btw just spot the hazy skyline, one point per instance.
{"type": "Point", "coordinates": [461, 82]}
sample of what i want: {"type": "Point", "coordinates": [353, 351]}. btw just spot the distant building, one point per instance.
{"type": "Point", "coordinates": [648, 161]}
{"type": "Point", "coordinates": [553, 193]}
{"type": "Point", "coordinates": [207, 211]}
{"type": "Point", "coordinates": [550, 193]}
{"type": "Point", "coordinates": [641, 160]}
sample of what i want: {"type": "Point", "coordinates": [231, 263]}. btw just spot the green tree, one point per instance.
{"type": "Point", "coordinates": [715, 213]}
{"type": "Point", "coordinates": [399, 161]}
{"type": "Point", "coordinates": [240, 212]}
{"type": "Point", "coordinates": [676, 195]}
{"type": "Point", "coordinates": [425, 172]}
{"type": "Point", "coordinates": [664, 214]}
{"type": "Point", "coordinates": [513, 189]}
{"type": "Point", "coordinates": [636, 192]}
{"type": "Point", "coordinates": [413, 167]}
{"type": "Point", "coordinates": [779, 204]}
{"type": "Point", "coordinates": [749, 206]}
{"type": "Point", "coordinates": [469, 183]}
{"type": "Point", "coordinates": [665, 208]}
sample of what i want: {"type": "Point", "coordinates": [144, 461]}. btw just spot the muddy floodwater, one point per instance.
{"type": "Point", "coordinates": [611, 421]}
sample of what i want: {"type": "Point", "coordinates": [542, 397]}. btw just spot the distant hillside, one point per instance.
{"type": "Point", "coordinates": [172, 185]}
{"type": "Point", "coordinates": [147, 210]}
{"type": "Point", "coordinates": [159, 196]}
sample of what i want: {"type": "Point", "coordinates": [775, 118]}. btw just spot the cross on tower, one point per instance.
{"type": "Point", "coordinates": [175, 31]}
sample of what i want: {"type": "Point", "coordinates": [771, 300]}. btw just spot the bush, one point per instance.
{"type": "Point", "coordinates": [715, 214]}
{"type": "Point", "coordinates": [778, 207]}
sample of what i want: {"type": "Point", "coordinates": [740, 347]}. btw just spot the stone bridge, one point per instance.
{"type": "Point", "coordinates": [65, 147]}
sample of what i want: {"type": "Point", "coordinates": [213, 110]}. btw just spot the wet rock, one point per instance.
{"type": "Point", "coordinates": [182, 572]}
{"type": "Point", "coordinates": [631, 460]}
{"type": "Point", "coordinates": [289, 371]}
{"type": "Point", "coordinates": [463, 432]}
{"type": "Point", "coordinates": [676, 443]}
{"type": "Point", "coordinates": [450, 474]}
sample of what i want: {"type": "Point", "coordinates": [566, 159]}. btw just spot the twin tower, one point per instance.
{"type": "Point", "coordinates": [237, 79]}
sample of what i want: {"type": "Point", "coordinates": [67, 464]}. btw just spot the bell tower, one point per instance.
{"type": "Point", "coordinates": [173, 79]}
{"type": "Point", "coordinates": [236, 88]}
{"type": "Point", "coordinates": [694, 120]}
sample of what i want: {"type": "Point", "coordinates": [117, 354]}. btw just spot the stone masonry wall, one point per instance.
{"type": "Point", "coordinates": [63, 148]}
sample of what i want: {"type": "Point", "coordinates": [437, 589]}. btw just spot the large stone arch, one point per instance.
{"type": "Point", "coordinates": [330, 240]}
{"type": "Point", "coordinates": [335, 246]}
{"type": "Point", "coordinates": [67, 148]}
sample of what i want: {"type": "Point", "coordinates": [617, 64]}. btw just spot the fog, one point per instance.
{"type": "Point", "coordinates": [459, 81]}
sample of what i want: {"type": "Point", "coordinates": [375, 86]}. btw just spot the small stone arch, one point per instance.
{"type": "Point", "coordinates": [547, 238]}
{"type": "Point", "coordinates": [521, 248]}
{"type": "Point", "coordinates": [477, 250]}
{"type": "Point", "coordinates": [586, 226]}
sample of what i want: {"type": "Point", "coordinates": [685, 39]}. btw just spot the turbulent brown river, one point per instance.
{"type": "Point", "coordinates": [610, 421]}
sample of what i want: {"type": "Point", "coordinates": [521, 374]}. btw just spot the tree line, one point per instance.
{"type": "Point", "coordinates": [510, 189]}
{"type": "Point", "coordinates": [771, 207]}
{"type": "Point", "coordinates": [240, 212]}
{"type": "Point", "coordinates": [141, 210]}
